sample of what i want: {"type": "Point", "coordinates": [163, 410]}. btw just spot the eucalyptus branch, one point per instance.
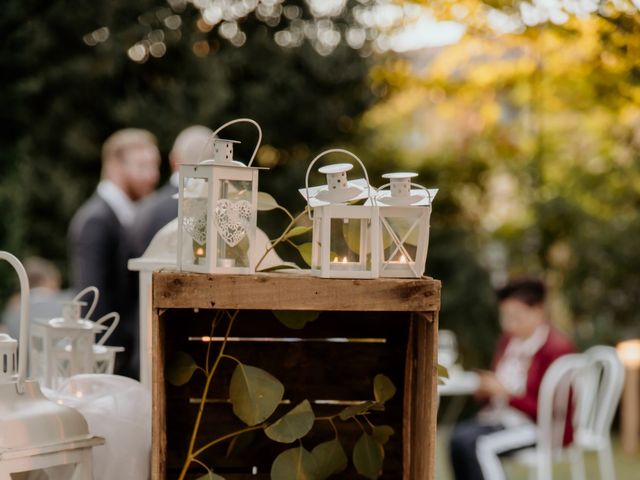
{"type": "Point", "coordinates": [226, 437]}
{"type": "Point", "coordinates": [214, 324]}
{"type": "Point", "coordinates": [230, 357]}
{"type": "Point", "coordinates": [205, 394]}
{"type": "Point", "coordinates": [282, 237]}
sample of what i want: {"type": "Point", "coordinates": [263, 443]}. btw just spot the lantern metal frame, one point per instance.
{"type": "Point", "coordinates": [37, 433]}
{"type": "Point", "coordinates": [415, 206]}
{"type": "Point", "coordinates": [322, 209]}
{"type": "Point", "coordinates": [214, 172]}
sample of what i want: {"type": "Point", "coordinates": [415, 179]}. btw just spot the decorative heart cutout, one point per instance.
{"type": "Point", "coordinates": [232, 220]}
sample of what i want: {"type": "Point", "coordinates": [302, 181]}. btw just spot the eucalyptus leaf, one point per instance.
{"type": "Point", "coordinates": [304, 250]}
{"type": "Point", "coordinates": [330, 458]}
{"type": "Point", "coordinates": [292, 426]}
{"type": "Point", "coordinates": [180, 368]}
{"type": "Point", "coordinates": [381, 433]}
{"type": "Point", "coordinates": [294, 464]}
{"type": "Point", "coordinates": [275, 268]}
{"type": "Point", "coordinates": [297, 231]}
{"type": "Point", "coordinates": [254, 394]}
{"type": "Point", "coordinates": [353, 410]}
{"type": "Point", "coordinates": [240, 443]}
{"type": "Point", "coordinates": [383, 388]}
{"type": "Point", "coordinates": [296, 319]}
{"type": "Point", "coordinates": [368, 456]}
{"type": "Point", "coordinates": [351, 234]}
{"type": "Point", "coordinates": [266, 202]}
{"type": "Point", "coordinates": [443, 372]}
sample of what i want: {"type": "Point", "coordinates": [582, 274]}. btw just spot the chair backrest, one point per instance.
{"type": "Point", "coordinates": [447, 348]}
{"type": "Point", "coordinates": [599, 391]}
{"type": "Point", "coordinates": [557, 389]}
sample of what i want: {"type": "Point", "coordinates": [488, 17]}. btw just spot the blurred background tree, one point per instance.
{"type": "Point", "coordinates": [525, 114]}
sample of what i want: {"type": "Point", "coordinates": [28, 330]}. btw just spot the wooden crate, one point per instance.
{"type": "Point", "coordinates": [394, 323]}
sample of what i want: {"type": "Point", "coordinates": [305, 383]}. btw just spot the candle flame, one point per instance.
{"type": "Point", "coordinates": [344, 259]}
{"type": "Point", "coordinates": [403, 259]}
{"type": "Point", "coordinates": [200, 252]}
{"type": "Point", "coordinates": [336, 259]}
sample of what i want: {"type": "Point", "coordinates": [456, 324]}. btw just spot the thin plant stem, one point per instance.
{"type": "Point", "coordinates": [230, 357]}
{"type": "Point", "coordinates": [205, 393]}
{"type": "Point", "coordinates": [214, 323]}
{"type": "Point", "coordinates": [226, 437]}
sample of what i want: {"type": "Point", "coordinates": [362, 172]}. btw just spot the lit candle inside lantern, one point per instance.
{"type": "Point", "coordinates": [227, 262]}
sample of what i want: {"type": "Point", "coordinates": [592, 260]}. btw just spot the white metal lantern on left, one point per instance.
{"type": "Point", "coordinates": [217, 211]}
{"type": "Point", "coordinates": [345, 238]}
{"type": "Point", "coordinates": [405, 211]}
{"type": "Point", "coordinates": [36, 434]}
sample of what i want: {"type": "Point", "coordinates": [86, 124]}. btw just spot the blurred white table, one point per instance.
{"type": "Point", "coordinates": [460, 382]}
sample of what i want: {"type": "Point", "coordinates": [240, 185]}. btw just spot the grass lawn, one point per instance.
{"type": "Point", "coordinates": [627, 466]}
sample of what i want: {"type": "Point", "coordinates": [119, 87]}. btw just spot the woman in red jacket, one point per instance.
{"type": "Point", "coordinates": [525, 350]}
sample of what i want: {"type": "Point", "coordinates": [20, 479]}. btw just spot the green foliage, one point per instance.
{"type": "Point", "coordinates": [254, 394]}
{"type": "Point", "coordinates": [382, 433]}
{"type": "Point", "coordinates": [295, 319]}
{"type": "Point", "coordinates": [293, 425]}
{"type": "Point", "coordinates": [368, 456]}
{"type": "Point", "coordinates": [294, 464]}
{"type": "Point", "coordinates": [383, 388]}
{"type": "Point", "coordinates": [180, 368]}
{"type": "Point", "coordinates": [330, 458]}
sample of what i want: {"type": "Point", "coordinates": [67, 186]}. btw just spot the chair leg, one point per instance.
{"type": "Point", "coordinates": [605, 460]}
{"type": "Point", "coordinates": [576, 461]}
{"type": "Point", "coordinates": [544, 468]}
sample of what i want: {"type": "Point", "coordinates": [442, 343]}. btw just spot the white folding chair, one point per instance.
{"type": "Point", "coordinates": [598, 395]}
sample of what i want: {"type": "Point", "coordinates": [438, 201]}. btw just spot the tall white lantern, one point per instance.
{"type": "Point", "coordinates": [217, 211]}
{"type": "Point", "coordinates": [36, 434]}
{"type": "Point", "coordinates": [345, 239]}
{"type": "Point", "coordinates": [404, 213]}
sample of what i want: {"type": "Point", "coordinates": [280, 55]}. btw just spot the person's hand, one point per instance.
{"type": "Point", "coordinates": [490, 386]}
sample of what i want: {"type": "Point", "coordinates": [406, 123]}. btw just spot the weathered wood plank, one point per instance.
{"type": "Point", "coordinates": [275, 291]}
{"type": "Point", "coordinates": [159, 419]}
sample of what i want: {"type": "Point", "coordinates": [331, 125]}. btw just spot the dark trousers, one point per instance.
{"type": "Point", "coordinates": [462, 449]}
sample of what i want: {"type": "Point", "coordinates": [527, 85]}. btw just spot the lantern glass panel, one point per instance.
{"type": "Point", "coordinates": [400, 239]}
{"type": "Point", "coordinates": [233, 220]}
{"type": "Point", "coordinates": [194, 222]}
{"type": "Point", "coordinates": [350, 247]}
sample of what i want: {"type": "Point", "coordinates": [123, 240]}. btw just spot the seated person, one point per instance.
{"type": "Point", "coordinates": [526, 349]}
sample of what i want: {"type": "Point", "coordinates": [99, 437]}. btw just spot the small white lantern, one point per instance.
{"type": "Point", "coordinates": [345, 239]}
{"type": "Point", "coordinates": [217, 211]}
{"type": "Point", "coordinates": [404, 225]}
{"type": "Point", "coordinates": [66, 346]}
{"type": "Point", "coordinates": [36, 434]}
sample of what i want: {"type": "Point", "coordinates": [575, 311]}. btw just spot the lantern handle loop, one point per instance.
{"type": "Point", "coordinates": [237, 120]}
{"type": "Point", "coordinates": [24, 317]}
{"type": "Point", "coordinates": [421, 187]}
{"type": "Point", "coordinates": [326, 152]}
{"type": "Point", "coordinates": [102, 320]}
{"type": "Point", "coordinates": [94, 303]}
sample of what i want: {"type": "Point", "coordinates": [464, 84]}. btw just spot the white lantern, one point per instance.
{"type": "Point", "coordinates": [36, 434]}
{"type": "Point", "coordinates": [66, 346]}
{"type": "Point", "coordinates": [404, 225]}
{"type": "Point", "coordinates": [217, 211]}
{"type": "Point", "coordinates": [345, 239]}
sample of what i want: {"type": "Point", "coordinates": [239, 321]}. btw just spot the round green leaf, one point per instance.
{"type": "Point", "coordinates": [381, 433]}
{"type": "Point", "coordinates": [368, 456]}
{"type": "Point", "coordinates": [305, 252]}
{"type": "Point", "coordinates": [297, 231]}
{"type": "Point", "coordinates": [294, 464]}
{"type": "Point", "coordinates": [383, 388]}
{"type": "Point", "coordinates": [292, 426]}
{"type": "Point", "coordinates": [254, 394]}
{"type": "Point", "coordinates": [443, 372]}
{"type": "Point", "coordinates": [296, 319]}
{"type": "Point", "coordinates": [180, 368]}
{"type": "Point", "coordinates": [266, 202]}
{"type": "Point", "coordinates": [330, 458]}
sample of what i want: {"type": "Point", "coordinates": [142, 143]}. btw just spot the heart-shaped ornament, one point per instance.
{"type": "Point", "coordinates": [232, 220]}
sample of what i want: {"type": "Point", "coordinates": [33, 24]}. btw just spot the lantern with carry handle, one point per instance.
{"type": "Point", "coordinates": [36, 434]}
